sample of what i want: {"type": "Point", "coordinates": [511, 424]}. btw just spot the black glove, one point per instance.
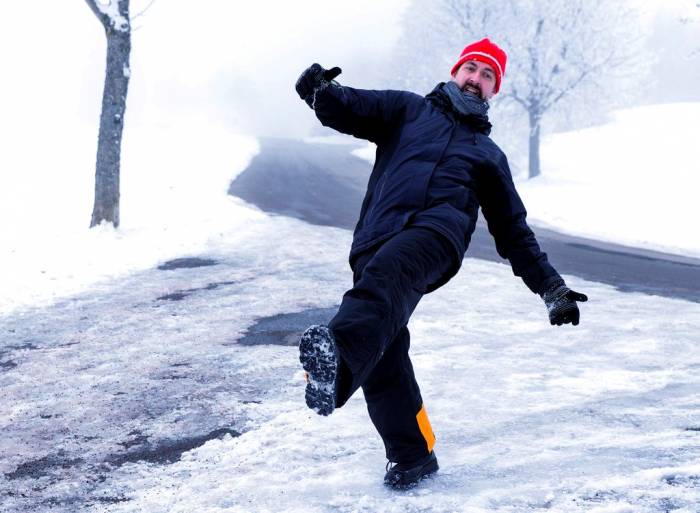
{"type": "Point", "coordinates": [313, 77]}
{"type": "Point", "coordinates": [561, 303]}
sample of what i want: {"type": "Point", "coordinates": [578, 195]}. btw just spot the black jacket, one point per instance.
{"type": "Point", "coordinates": [433, 168]}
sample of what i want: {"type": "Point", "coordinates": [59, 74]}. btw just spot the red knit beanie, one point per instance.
{"type": "Point", "coordinates": [487, 52]}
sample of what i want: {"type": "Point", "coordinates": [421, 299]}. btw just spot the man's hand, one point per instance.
{"type": "Point", "coordinates": [313, 77]}
{"type": "Point", "coordinates": [561, 303]}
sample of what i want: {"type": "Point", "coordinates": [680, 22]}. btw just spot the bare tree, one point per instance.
{"type": "Point", "coordinates": [562, 54]}
{"type": "Point", "coordinates": [114, 16]}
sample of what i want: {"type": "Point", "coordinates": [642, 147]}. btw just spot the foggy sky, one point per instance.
{"type": "Point", "coordinates": [226, 62]}
{"type": "Point", "coordinates": [231, 63]}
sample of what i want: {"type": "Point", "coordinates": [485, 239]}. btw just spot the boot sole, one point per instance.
{"type": "Point", "coordinates": [319, 357]}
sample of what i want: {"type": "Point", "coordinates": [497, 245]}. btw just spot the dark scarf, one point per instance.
{"type": "Point", "coordinates": [466, 105]}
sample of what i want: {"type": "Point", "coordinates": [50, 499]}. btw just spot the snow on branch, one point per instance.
{"type": "Point", "coordinates": [114, 14]}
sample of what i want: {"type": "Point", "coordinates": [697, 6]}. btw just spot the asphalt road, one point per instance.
{"type": "Point", "coordinates": [324, 184]}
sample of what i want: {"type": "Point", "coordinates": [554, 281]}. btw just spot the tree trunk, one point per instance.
{"type": "Point", "coordinates": [534, 146]}
{"type": "Point", "coordinates": [106, 206]}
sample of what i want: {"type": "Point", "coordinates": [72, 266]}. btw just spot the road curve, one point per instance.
{"type": "Point", "coordinates": [325, 183]}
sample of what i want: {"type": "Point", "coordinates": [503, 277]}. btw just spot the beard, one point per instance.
{"type": "Point", "coordinates": [476, 93]}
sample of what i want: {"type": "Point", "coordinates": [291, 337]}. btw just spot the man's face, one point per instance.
{"type": "Point", "coordinates": [477, 78]}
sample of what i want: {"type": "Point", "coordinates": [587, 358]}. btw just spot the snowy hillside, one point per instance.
{"type": "Point", "coordinates": [633, 181]}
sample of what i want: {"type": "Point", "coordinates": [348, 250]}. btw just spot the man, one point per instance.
{"type": "Point", "coordinates": [435, 165]}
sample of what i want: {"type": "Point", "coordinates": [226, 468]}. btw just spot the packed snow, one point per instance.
{"type": "Point", "coordinates": [595, 418]}
{"type": "Point", "coordinates": [528, 417]}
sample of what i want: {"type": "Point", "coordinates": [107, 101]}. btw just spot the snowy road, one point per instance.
{"type": "Point", "coordinates": [179, 390]}
{"type": "Point", "coordinates": [324, 184]}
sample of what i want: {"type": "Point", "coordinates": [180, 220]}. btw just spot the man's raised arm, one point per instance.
{"type": "Point", "coordinates": [362, 113]}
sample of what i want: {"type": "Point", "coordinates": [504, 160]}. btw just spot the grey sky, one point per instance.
{"type": "Point", "coordinates": [230, 62]}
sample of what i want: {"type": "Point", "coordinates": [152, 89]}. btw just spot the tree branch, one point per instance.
{"type": "Point", "coordinates": [513, 93]}
{"type": "Point", "coordinates": [546, 105]}
{"type": "Point", "coordinates": [143, 11]}
{"type": "Point", "coordinates": [104, 19]}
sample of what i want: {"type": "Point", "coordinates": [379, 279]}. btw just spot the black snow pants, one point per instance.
{"type": "Point", "coordinates": [373, 339]}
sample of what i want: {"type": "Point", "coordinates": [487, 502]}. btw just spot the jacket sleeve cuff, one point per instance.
{"type": "Point", "coordinates": [550, 283]}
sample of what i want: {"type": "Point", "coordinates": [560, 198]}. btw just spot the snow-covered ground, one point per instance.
{"type": "Point", "coordinates": [174, 202]}
{"type": "Point", "coordinates": [527, 417]}
{"type": "Point", "coordinates": [601, 418]}
{"type": "Point", "coordinates": [633, 181]}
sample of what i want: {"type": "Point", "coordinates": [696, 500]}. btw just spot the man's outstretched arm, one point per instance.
{"type": "Point", "coordinates": [505, 214]}
{"type": "Point", "coordinates": [362, 113]}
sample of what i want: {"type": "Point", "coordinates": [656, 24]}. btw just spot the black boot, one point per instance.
{"type": "Point", "coordinates": [406, 475]}
{"type": "Point", "coordinates": [319, 357]}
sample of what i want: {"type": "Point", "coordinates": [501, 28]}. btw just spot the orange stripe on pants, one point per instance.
{"type": "Point", "coordinates": [425, 427]}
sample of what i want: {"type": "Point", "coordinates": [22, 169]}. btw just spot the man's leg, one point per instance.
{"type": "Point", "coordinates": [395, 405]}
{"type": "Point", "coordinates": [366, 344]}
{"type": "Point", "coordinates": [388, 286]}
{"type": "Point", "coordinates": [389, 282]}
